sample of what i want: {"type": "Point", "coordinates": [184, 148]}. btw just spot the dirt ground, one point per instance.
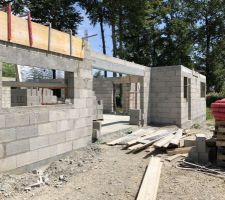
{"type": "Point", "coordinates": [101, 172]}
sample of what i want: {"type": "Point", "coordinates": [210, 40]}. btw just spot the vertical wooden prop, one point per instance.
{"type": "Point", "coordinates": [9, 10]}
{"type": "Point", "coordinates": [30, 29]}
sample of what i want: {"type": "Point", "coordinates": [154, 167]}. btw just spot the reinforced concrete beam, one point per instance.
{"type": "Point", "coordinates": [108, 63]}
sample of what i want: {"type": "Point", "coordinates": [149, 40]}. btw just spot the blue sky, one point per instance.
{"type": "Point", "coordinates": [95, 42]}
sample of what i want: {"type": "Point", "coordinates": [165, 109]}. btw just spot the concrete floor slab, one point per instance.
{"type": "Point", "coordinates": [114, 123]}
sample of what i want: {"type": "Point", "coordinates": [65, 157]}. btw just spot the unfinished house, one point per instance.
{"type": "Point", "coordinates": [42, 120]}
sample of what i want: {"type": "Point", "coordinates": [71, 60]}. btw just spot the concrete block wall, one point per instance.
{"type": "Point", "coordinates": [31, 137]}
{"type": "Point", "coordinates": [0, 87]}
{"type": "Point", "coordinates": [198, 103]}
{"type": "Point", "coordinates": [103, 88]}
{"type": "Point", "coordinates": [165, 96]}
{"type": "Point", "coordinates": [6, 97]}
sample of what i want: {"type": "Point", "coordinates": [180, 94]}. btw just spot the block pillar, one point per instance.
{"type": "Point", "coordinates": [145, 97]}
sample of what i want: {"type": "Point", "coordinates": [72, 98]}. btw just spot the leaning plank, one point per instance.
{"type": "Point", "coordinates": [176, 140]}
{"type": "Point", "coordinates": [171, 158]}
{"type": "Point", "coordinates": [178, 151]}
{"type": "Point", "coordinates": [149, 186]}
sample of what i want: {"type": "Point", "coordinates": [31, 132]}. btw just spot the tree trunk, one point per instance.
{"type": "Point", "coordinates": [114, 43]}
{"type": "Point", "coordinates": [103, 38]}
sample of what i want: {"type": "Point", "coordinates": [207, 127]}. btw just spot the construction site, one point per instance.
{"type": "Point", "coordinates": [142, 135]}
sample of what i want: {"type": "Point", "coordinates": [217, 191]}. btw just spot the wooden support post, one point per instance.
{"type": "Point", "coordinates": [71, 45]}
{"type": "Point", "coordinates": [9, 10]}
{"type": "Point", "coordinates": [30, 29]}
{"type": "Point", "coordinates": [49, 36]}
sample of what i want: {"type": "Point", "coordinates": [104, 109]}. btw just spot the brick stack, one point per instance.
{"type": "Point", "coordinates": [219, 134]}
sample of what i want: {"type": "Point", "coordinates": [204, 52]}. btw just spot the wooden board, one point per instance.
{"type": "Point", "coordinates": [171, 158]}
{"type": "Point", "coordinates": [179, 151]}
{"type": "Point", "coordinates": [164, 141]}
{"type": "Point", "coordinates": [149, 186]}
{"type": "Point", "coordinates": [60, 41]}
{"type": "Point", "coordinates": [220, 143]}
{"type": "Point", "coordinates": [176, 140]}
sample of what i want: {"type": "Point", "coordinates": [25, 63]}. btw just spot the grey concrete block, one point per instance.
{"type": "Point", "coordinates": [15, 120]}
{"type": "Point", "coordinates": [56, 115]}
{"type": "Point", "coordinates": [57, 138]}
{"type": "Point", "coordinates": [17, 147]}
{"type": "Point", "coordinates": [47, 152]}
{"type": "Point", "coordinates": [97, 125]}
{"type": "Point", "coordinates": [64, 148]}
{"type": "Point", "coordinates": [26, 132]}
{"type": "Point", "coordinates": [2, 151]}
{"type": "Point", "coordinates": [201, 143]}
{"type": "Point", "coordinates": [96, 134]}
{"type": "Point", "coordinates": [27, 158]}
{"type": "Point", "coordinates": [2, 121]}
{"type": "Point", "coordinates": [8, 164]}
{"type": "Point", "coordinates": [65, 125]}
{"type": "Point", "coordinates": [39, 117]}
{"type": "Point", "coordinates": [82, 142]}
{"type": "Point", "coordinates": [7, 135]}
{"type": "Point", "coordinates": [39, 142]}
{"type": "Point", "coordinates": [203, 157]}
{"type": "Point", "coordinates": [48, 128]}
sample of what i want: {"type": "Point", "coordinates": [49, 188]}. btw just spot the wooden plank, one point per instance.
{"type": "Point", "coordinates": [160, 132]}
{"type": "Point", "coordinates": [220, 156]}
{"type": "Point", "coordinates": [32, 84]}
{"type": "Point", "coordinates": [221, 129]}
{"type": "Point", "coordinates": [178, 151]}
{"type": "Point", "coordinates": [164, 141]}
{"type": "Point", "coordinates": [149, 186]}
{"type": "Point", "coordinates": [176, 140]}
{"type": "Point", "coordinates": [127, 137]}
{"type": "Point", "coordinates": [171, 158]}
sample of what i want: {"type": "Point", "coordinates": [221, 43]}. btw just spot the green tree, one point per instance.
{"type": "Point", "coordinates": [9, 70]}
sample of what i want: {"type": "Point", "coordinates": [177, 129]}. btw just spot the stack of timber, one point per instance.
{"type": "Point", "coordinates": [219, 134]}
{"type": "Point", "coordinates": [150, 139]}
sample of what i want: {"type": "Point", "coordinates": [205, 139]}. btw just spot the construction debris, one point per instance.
{"type": "Point", "coordinates": [149, 187]}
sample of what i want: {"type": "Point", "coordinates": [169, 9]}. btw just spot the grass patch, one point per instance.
{"type": "Point", "coordinates": [209, 115]}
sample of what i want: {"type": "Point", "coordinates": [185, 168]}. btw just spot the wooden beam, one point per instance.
{"type": "Point", "coordinates": [149, 187]}
{"type": "Point", "coordinates": [179, 151]}
{"type": "Point", "coordinates": [32, 84]}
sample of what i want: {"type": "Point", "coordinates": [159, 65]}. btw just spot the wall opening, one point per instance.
{"type": "Point", "coordinates": [202, 89]}
{"type": "Point", "coordinates": [33, 86]}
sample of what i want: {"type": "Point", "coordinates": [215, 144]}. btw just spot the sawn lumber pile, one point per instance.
{"type": "Point", "coordinates": [150, 139]}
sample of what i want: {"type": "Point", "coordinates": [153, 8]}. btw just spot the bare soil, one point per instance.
{"type": "Point", "coordinates": [101, 172]}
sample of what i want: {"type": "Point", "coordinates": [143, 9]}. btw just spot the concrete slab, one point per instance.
{"type": "Point", "coordinates": [114, 123]}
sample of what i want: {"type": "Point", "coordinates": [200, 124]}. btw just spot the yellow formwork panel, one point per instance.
{"type": "Point", "coordinates": [60, 41]}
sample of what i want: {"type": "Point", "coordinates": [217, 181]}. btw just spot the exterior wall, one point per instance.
{"type": "Point", "coordinates": [32, 136]}
{"type": "Point", "coordinates": [166, 95]}
{"type": "Point", "coordinates": [198, 104]}
{"type": "Point", "coordinates": [103, 88]}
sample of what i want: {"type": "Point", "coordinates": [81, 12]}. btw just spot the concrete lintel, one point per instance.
{"type": "Point", "coordinates": [108, 63]}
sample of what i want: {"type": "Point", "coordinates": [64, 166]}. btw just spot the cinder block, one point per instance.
{"type": "Point", "coordinates": [8, 164]}
{"type": "Point", "coordinates": [81, 122]}
{"type": "Point", "coordinates": [7, 135]}
{"type": "Point", "coordinates": [2, 151]}
{"type": "Point", "coordinates": [72, 135]}
{"type": "Point", "coordinates": [39, 117]}
{"type": "Point", "coordinates": [2, 121]}
{"type": "Point", "coordinates": [64, 148]}
{"type": "Point", "coordinates": [203, 157]}
{"type": "Point", "coordinates": [27, 158]}
{"type": "Point", "coordinates": [190, 141]}
{"type": "Point", "coordinates": [39, 142]}
{"type": "Point", "coordinates": [14, 120]}
{"type": "Point", "coordinates": [73, 114]}
{"type": "Point", "coordinates": [56, 115]}
{"type": "Point", "coordinates": [201, 143]}
{"type": "Point", "coordinates": [47, 152]}
{"type": "Point", "coordinates": [48, 128]}
{"type": "Point", "coordinates": [80, 103]}
{"type": "Point", "coordinates": [26, 132]}
{"type": "Point", "coordinates": [82, 142]}
{"type": "Point", "coordinates": [17, 147]}
{"type": "Point", "coordinates": [57, 138]}
{"type": "Point", "coordinates": [65, 125]}
{"type": "Point", "coordinates": [97, 125]}
{"type": "Point", "coordinates": [96, 134]}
